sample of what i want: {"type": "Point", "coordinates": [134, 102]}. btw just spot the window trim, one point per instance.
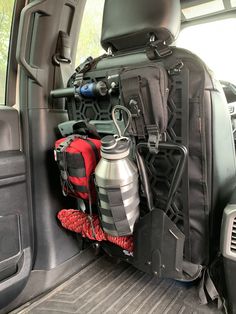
{"type": "Point", "coordinates": [12, 65]}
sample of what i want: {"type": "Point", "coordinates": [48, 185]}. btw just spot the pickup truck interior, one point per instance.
{"type": "Point", "coordinates": [117, 156]}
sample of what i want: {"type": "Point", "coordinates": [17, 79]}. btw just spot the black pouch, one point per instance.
{"type": "Point", "coordinates": [145, 92]}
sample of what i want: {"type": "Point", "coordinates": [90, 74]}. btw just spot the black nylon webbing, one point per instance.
{"type": "Point", "coordinates": [77, 172]}
{"type": "Point", "coordinates": [118, 210]}
{"type": "Point", "coordinates": [80, 188]}
{"type": "Point", "coordinates": [74, 162]}
{"type": "Point", "coordinates": [125, 195]}
{"type": "Point", "coordinates": [128, 209]}
{"type": "Point", "coordinates": [133, 101]}
{"type": "Point", "coordinates": [184, 75]}
{"type": "Point", "coordinates": [94, 149]}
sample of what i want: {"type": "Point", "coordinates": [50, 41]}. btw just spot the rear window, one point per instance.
{"type": "Point", "coordinates": [6, 11]}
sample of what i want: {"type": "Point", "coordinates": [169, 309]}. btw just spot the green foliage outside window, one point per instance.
{"type": "Point", "coordinates": [90, 33]}
{"type": "Point", "coordinates": [6, 10]}
{"type": "Point", "coordinates": [89, 40]}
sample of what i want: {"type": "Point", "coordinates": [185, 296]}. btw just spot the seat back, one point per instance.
{"type": "Point", "coordinates": [140, 32]}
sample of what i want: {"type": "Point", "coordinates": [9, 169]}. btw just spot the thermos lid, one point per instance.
{"type": "Point", "coordinates": [113, 148]}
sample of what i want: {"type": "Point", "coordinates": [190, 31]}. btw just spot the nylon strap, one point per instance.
{"type": "Point", "coordinates": [75, 164]}
{"type": "Point", "coordinates": [89, 64]}
{"type": "Point", "coordinates": [128, 209]}
{"type": "Point", "coordinates": [80, 188]}
{"type": "Point", "coordinates": [94, 149]}
{"type": "Point", "coordinates": [192, 270]}
{"type": "Point", "coordinates": [134, 102]}
{"type": "Point", "coordinates": [158, 50]}
{"type": "Point", "coordinates": [118, 210]}
{"type": "Point", "coordinates": [207, 288]}
{"type": "Point", "coordinates": [125, 195]}
{"type": "Point", "coordinates": [77, 172]}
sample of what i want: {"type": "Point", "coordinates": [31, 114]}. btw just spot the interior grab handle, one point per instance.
{"type": "Point", "coordinates": [39, 6]}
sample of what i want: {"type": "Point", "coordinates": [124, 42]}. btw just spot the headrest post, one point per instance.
{"type": "Point", "coordinates": [152, 38]}
{"type": "Point", "coordinates": [110, 51]}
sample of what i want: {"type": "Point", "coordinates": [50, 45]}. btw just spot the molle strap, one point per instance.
{"type": "Point", "coordinates": [74, 164]}
{"type": "Point", "coordinates": [133, 101]}
{"type": "Point", "coordinates": [118, 211]}
{"type": "Point", "coordinates": [80, 188]}
{"type": "Point", "coordinates": [94, 149]}
{"type": "Point", "coordinates": [125, 195]}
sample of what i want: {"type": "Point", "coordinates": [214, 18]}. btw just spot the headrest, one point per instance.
{"type": "Point", "coordinates": [130, 23]}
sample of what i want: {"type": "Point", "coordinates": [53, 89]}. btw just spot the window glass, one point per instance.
{"type": "Point", "coordinates": [203, 9]}
{"type": "Point", "coordinates": [90, 33]}
{"type": "Point", "coordinates": [6, 10]}
{"type": "Point", "coordinates": [233, 3]}
{"type": "Point", "coordinates": [214, 43]}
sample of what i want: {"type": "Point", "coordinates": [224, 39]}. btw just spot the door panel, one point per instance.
{"type": "Point", "coordinates": [9, 129]}
{"type": "Point", "coordinates": [30, 191]}
{"type": "Point", "coordinates": [15, 247]}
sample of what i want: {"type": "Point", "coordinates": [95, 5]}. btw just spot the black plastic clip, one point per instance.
{"type": "Point", "coordinates": [85, 66]}
{"type": "Point", "coordinates": [78, 80]}
{"type": "Point", "coordinates": [161, 49]}
{"type": "Point", "coordinates": [176, 69]}
{"type": "Point", "coordinates": [134, 108]}
{"type": "Point", "coordinates": [154, 138]}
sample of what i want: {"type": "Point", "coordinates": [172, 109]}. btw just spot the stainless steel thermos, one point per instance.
{"type": "Point", "coordinates": [116, 179]}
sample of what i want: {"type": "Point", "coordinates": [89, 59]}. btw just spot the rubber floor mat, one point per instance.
{"type": "Point", "coordinates": [105, 287]}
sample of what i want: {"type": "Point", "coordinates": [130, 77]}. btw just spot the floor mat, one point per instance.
{"type": "Point", "coordinates": [105, 287]}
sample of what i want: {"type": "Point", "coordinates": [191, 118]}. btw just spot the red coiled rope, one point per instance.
{"type": "Point", "coordinates": [79, 222]}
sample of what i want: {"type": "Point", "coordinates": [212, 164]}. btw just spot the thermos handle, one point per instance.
{"type": "Point", "coordinates": [121, 108]}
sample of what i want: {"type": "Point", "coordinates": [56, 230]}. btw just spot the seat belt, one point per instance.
{"type": "Point", "coordinates": [62, 60]}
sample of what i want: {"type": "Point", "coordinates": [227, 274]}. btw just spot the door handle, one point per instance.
{"type": "Point", "coordinates": [40, 6]}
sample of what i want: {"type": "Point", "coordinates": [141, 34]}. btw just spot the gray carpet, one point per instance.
{"type": "Point", "coordinates": [105, 287]}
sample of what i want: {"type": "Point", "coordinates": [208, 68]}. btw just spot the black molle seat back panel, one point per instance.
{"type": "Point", "coordinates": [190, 123]}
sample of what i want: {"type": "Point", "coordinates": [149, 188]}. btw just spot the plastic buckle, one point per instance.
{"type": "Point", "coordinates": [153, 143]}
{"type": "Point", "coordinates": [63, 146]}
{"type": "Point", "coordinates": [154, 138]}
{"type": "Point", "coordinates": [78, 80]}
{"type": "Point", "coordinates": [176, 69]}
{"type": "Point", "coordinates": [161, 49]}
{"type": "Point", "coordinates": [64, 175]}
{"type": "Point", "coordinates": [134, 108]}
{"type": "Point", "coordinates": [83, 67]}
